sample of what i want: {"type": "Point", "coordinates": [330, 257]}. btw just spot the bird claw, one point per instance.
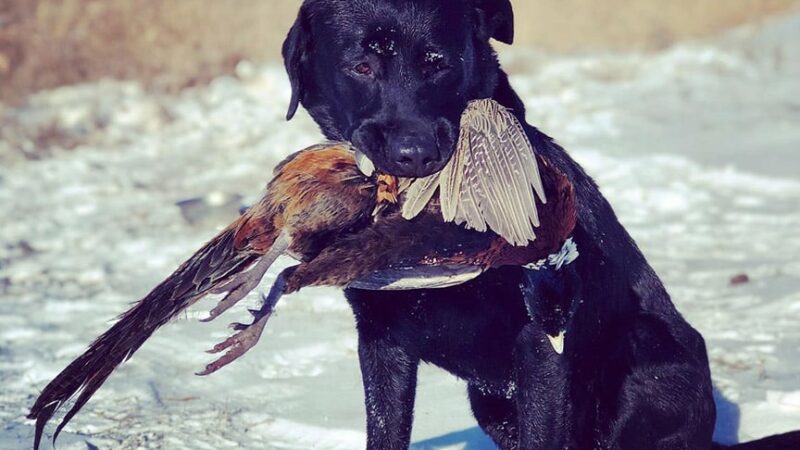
{"type": "Point", "coordinates": [235, 293]}
{"type": "Point", "coordinates": [246, 337]}
{"type": "Point", "coordinates": [238, 326]}
{"type": "Point", "coordinates": [237, 289]}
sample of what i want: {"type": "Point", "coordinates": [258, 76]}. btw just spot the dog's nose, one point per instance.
{"type": "Point", "coordinates": [415, 159]}
{"type": "Point", "coordinates": [414, 155]}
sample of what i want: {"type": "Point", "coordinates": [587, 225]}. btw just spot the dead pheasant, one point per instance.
{"type": "Point", "coordinates": [344, 225]}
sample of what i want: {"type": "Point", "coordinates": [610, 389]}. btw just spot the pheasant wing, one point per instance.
{"type": "Point", "coordinates": [500, 180]}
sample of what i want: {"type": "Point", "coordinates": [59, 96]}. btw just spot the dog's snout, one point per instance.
{"type": "Point", "coordinates": [404, 148]}
{"type": "Point", "coordinates": [415, 155]}
{"type": "Point", "coordinates": [411, 148]}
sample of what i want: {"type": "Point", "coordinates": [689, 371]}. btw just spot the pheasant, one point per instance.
{"type": "Point", "coordinates": [350, 226]}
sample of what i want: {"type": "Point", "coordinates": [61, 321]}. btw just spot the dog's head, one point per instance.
{"type": "Point", "coordinates": [393, 76]}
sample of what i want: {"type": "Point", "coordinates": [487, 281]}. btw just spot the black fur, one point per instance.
{"type": "Point", "coordinates": [634, 374]}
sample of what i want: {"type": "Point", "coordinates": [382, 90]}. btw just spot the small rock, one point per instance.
{"type": "Point", "coordinates": [214, 209]}
{"type": "Point", "coordinates": [741, 278]}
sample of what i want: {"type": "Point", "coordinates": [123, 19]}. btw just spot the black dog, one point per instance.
{"type": "Point", "coordinates": [393, 77]}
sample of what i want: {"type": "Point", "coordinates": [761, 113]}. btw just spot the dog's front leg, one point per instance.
{"type": "Point", "coordinates": [542, 392]}
{"type": "Point", "coordinates": [390, 381]}
{"type": "Point", "coordinates": [541, 358]}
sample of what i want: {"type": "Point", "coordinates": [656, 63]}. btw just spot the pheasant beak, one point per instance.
{"type": "Point", "coordinates": [388, 188]}
{"type": "Point", "coordinates": [388, 185]}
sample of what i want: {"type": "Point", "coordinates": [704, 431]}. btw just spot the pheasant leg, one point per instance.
{"type": "Point", "coordinates": [247, 335]}
{"type": "Point", "coordinates": [243, 283]}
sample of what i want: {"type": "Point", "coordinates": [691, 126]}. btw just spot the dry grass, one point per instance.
{"type": "Point", "coordinates": [170, 44]}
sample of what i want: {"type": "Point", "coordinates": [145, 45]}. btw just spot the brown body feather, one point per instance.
{"type": "Point", "coordinates": [393, 242]}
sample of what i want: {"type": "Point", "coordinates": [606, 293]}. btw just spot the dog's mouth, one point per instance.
{"type": "Point", "coordinates": [389, 187]}
{"type": "Point", "coordinates": [368, 167]}
{"type": "Point", "coordinates": [404, 148]}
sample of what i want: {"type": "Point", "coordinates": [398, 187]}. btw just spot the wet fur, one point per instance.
{"type": "Point", "coordinates": [634, 374]}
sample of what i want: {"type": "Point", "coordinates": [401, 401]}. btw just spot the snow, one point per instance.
{"type": "Point", "coordinates": [695, 146]}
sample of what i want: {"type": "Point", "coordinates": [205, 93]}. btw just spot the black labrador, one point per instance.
{"type": "Point", "coordinates": [393, 76]}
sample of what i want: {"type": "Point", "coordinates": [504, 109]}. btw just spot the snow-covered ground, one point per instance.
{"type": "Point", "coordinates": [698, 148]}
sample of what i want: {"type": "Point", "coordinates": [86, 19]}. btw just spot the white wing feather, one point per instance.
{"type": "Point", "coordinates": [418, 194]}
{"type": "Point", "coordinates": [491, 181]}
{"type": "Point", "coordinates": [502, 178]}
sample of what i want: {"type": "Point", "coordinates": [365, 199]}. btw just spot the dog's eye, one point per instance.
{"type": "Point", "coordinates": [363, 69]}
{"type": "Point", "coordinates": [433, 62]}
{"type": "Point", "coordinates": [433, 57]}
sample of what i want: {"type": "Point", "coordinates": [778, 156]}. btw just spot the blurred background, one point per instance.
{"type": "Point", "coordinates": [47, 43]}
{"type": "Point", "coordinates": [131, 131]}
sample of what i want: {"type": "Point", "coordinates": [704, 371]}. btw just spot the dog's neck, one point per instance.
{"type": "Point", "coordinates": [506, 96]}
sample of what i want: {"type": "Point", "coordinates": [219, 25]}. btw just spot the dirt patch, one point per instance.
{"type": "Point", "coordinates": [47, 43]}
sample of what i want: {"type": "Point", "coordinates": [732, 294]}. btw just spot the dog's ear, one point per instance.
{"type": "Point", "coordinates": [295, 51]}
{"type": "Point", "coordinates": [496, 19]}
